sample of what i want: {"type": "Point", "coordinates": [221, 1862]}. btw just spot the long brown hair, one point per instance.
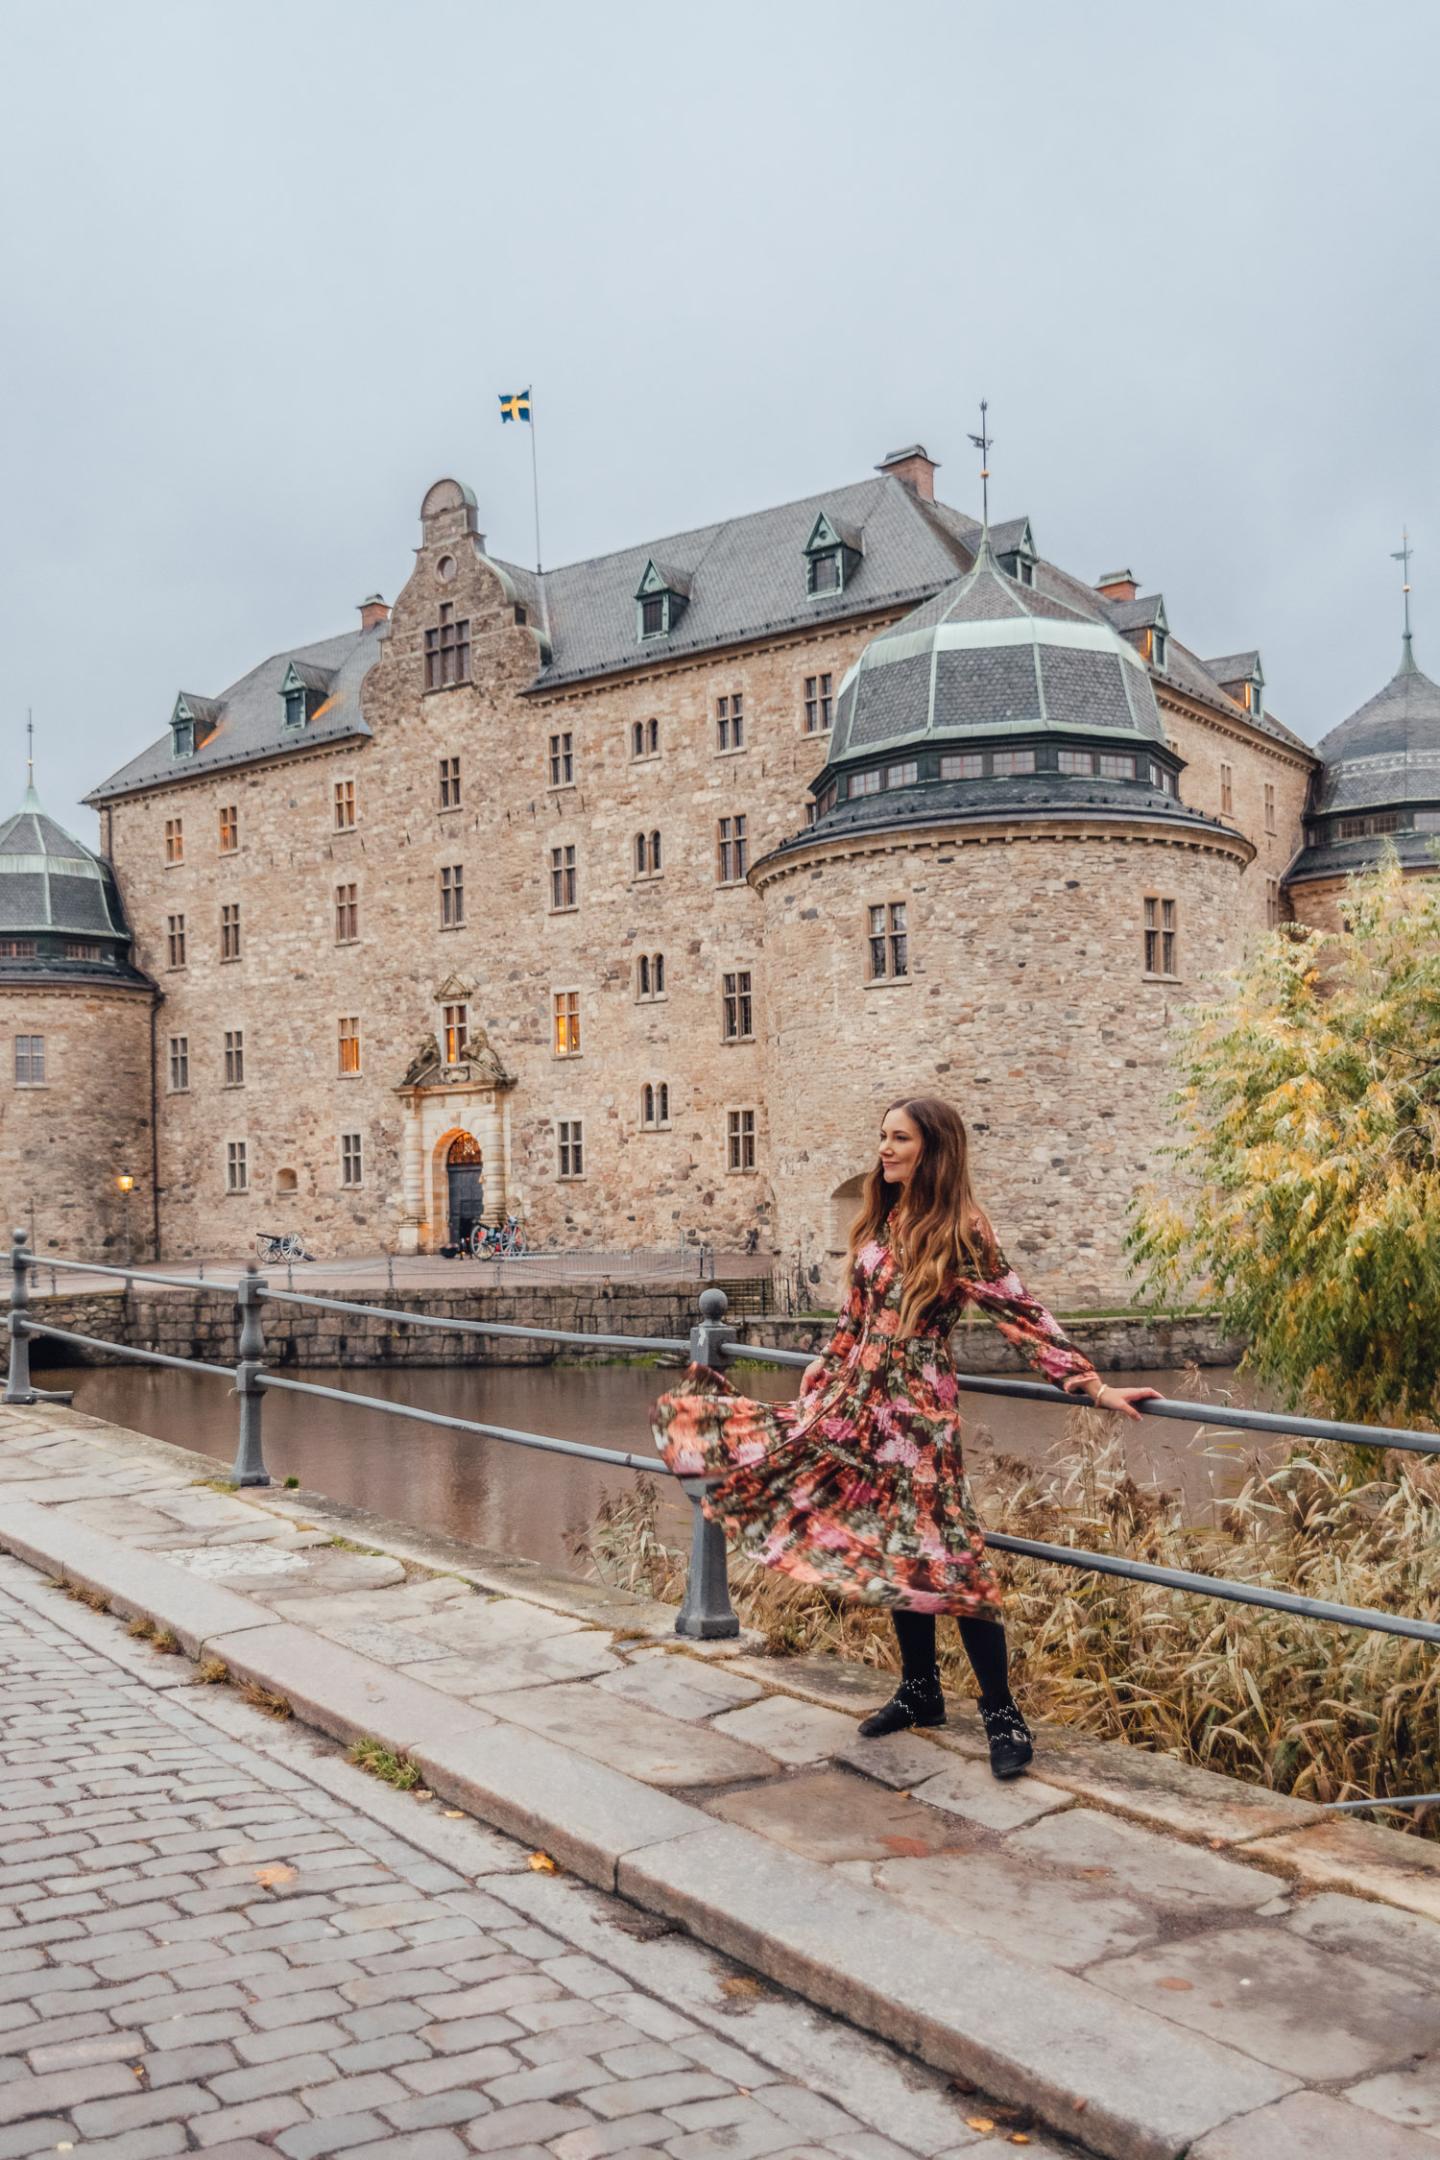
{"type": "Point", "coordinates": [946, 1230]}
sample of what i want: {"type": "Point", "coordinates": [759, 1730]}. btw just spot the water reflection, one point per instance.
{"type": "Point", "coordinates": [519, 1502]}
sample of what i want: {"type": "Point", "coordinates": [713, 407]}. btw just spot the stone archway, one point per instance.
{"type": "Point", "coordinates": [456, 1149]}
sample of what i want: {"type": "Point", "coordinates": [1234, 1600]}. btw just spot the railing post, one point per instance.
{"type": "Point", "coordinates": [249, 1456]}
{"type": "Point", "coordinates": [707, 1614]}
{"type": "Point", "coordinates": [17, 1385]}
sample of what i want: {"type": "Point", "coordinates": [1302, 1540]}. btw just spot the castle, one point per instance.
{"type": "Point", "coordinates": [625, 897]}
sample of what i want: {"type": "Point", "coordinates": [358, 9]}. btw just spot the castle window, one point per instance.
{"type": "Point", "coordinates": [29, 1061]}
{"type": "Point", "coordinates": [570, 1147]}
{"type": "Point", "coordinates": [737, 1006]}
{"type": "Point", "coordinates": [1227, 790]}
{"type": "Point", "coordinates": [174, 840]}
{"type": "Point", "coordinates": [1159, 936]}
{"type": "Point", "coordinates": [654, 615]}
{"type": "Point", "coordinates": [740, 1139]}
{"type": "Point", "coordinates": [650, 976]}
{"type": "Point", "coordinates": [865, 783]}
{"type": "Point", "coordinates": [24, 948]}
{"type": "Point", "coordinates": [229, 829]}
{"type": "Point", "coordinates": [352, 1170]}
{"type": "Point", "coordinates": [179, 1064]}
{"type": "Point", "coordinates": [825, 573]}
{"type": "Point", "coordinates": [1272, 902]}
{"type": "Point", "coordinates": [889, 942]}
{"type": "Point", "coordinates": [833, 553]}
{"type": "Point", "coordinates": [730, 722]}
{"type": "Point", "coordinates": [1157, 646]}
{"type": "Point", "coordinates": [447, 650]}
{"type": "Point", "coordinates": [818, 703]}
{"type": "Point", "coordinates": [349, 1045]}
{"type": "Point", "coordinates": [175, 940]}
{"type": "Point", "coordinates": [1270, 806]}
{"type": "Point", "coordinates": [562, 760]}
{"type": "Point", "coordinates": [811, 811]}
{"type": "Point", "coordinates": [562, 878]}
{"type": "Point", "coordinates": [962, 765]}
{"type": "Point", "coordinates": [452, 896]}
{"type": "Point", "coordinates": [182, 738]}
{"type": "Point", "coordinates": [655, 1105]}
{"type": "Point", "coordinates": [230, 930]}
{"type": "Point", "coordinates": [1115, 767]}
{"type": "Point", "coordinates": [827, 799]}
{"type": "Point", "coordinates": [732, 851]}
{"type": "Point", "coordinates": [644, 738]}
{"type": "Point", "coordinates": [234, 1057]}
{"type": "Point", "coordinates": [344, 805]}
{"type": "Point", "coordinates": [566, 1012]}
{"type": "Point", "coordinates": [904, 775]}
{"type": "Point", "coordinates": [660, 600]}
{"type": "Point", "coordinates": [237, 1166]}
{"type": "Point", "coordinates": [1017, 761]}
{"type": "Point", "coordinates": [1024, 570]}
{"type": "Point", "coordinates": [1383, 821]}
{"type": "Point", "coordinates": [449, 783]}
{"type": "Point", "coordinates": [347, 914]}
{"type": "Point", "coordinates": [647, 854]}
{"type": "Point", "coordinates": [1351, 828]}
{"type": "Point", "coordinates": [294, 697]}
{"type": "Point", "coordinates": [1078, 762]}
{"type": "Point", "coordinates": [1254, 698]}
{"type": "Point", "coordinates": [455, 1027]}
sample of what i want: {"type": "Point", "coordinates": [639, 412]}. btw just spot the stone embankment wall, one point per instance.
{"type": "Point", "coordinates": [195, 1324]}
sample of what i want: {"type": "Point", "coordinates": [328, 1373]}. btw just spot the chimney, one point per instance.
{"type": "Point", "coordinates": [373, 610]}
{"type": "Point", "coordinates": [1117, 585]}
{"type": "Point", "coordinates": [914, 468]}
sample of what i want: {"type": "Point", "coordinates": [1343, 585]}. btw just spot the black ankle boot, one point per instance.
{"type": "Point", "coordinates": [1012, 1745]}
{"type": "Point", "coordinates": [917, 1701]}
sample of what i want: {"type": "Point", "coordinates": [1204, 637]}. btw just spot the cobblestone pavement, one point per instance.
{"type": "Point", "coordinates": [216, 1935]}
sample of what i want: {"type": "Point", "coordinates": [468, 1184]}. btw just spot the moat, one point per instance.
{"type": "Point", "coordinates": [527, 1504]}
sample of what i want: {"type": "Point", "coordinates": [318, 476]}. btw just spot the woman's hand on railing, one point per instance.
{"type": "Point", "coordinates": [1120, 1400]}
{"type": "Point", "coordinates": [813, 1374]}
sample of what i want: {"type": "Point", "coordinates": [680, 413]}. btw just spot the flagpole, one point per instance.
{"type": "Point", "coordinates": [535, 482]}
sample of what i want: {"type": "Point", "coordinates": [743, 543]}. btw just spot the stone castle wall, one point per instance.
{"type": "Point", "coordinates": [1256, 760]}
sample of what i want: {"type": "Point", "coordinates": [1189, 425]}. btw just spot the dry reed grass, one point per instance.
{"type": "Point", "coordinates": [1302, 1706]}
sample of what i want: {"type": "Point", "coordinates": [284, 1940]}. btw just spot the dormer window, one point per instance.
{"type": "Point", "coordinates": [183, 737]}
{"type": "Point", "coordinates": [191, 724]}
{"type": "Point", "coordinates": [1159, 646]}
{"type": "Point", "coordinates": [304, 690]}
{"type": "Point", "coordinates": [1255, 697]}
{"type": "Point", "coordinates": [833, 553]}
{"type": "Point", "coordinates": [660, 600]}
{"type": "Point", "coordinates": [1015, 551]}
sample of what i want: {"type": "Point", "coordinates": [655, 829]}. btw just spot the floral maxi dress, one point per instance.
{"type": "Point", "coordinates": [860, 1485]}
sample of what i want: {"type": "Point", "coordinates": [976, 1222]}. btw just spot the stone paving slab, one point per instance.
{"type": "Point", "coordinates": [669, 1752]}
{"type": "Point", "coordinates": [347, 1696]}
{"type": "Point", "coordinates": [790, 1731]}
{"type": "Point", "coordinates": [1360, 1857]}
{"type": "Point", "coordinates": [678, 1686]}
{"type": "Point", "coordinates": [983, 1892]}
{"type": "Point", "coordinates": [1311, 2126]}
{"type": "Point", "coordinates": [832, 1815]}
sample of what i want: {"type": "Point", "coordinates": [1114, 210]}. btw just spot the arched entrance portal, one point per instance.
{"type": "Point", "coordinates": [465, 1178]}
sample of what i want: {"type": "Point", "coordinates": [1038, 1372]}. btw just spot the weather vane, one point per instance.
{"type": "Point", "coordinates": [1402, 555]}
{"type": "Point", "coordinates": [30, 746]}
{"type": "Point", "coordinates": [982, 443]}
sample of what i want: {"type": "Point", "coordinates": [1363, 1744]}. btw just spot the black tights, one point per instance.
{"type": "Point", "coordinates": [984, 1642]}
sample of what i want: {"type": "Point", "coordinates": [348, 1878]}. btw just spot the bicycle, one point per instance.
{"type": "Point", "coordinates": [497, 1243]}
{"type": "Point", "coordinates": [284, 1245]}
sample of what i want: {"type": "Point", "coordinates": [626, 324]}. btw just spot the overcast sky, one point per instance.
{"type": "Point", "coordinates": [264, 269]}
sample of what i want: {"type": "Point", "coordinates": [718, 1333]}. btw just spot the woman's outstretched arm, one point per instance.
{"type": "Point", "coordinates": [1039, 1337]}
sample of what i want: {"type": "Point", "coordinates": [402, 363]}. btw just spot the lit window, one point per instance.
{"type": "Point", "coordinates": [889, 942]}
{"type": "Point", "coordinates": [562, 877]}
{"type": "Point", "coordinates": [237, 1166]}
{"type": "Point", "coordinates": [655, 1104]}
{"type": "Point", "coordinates": [818, 704]}
{"type": "Point", "coordinates": [733, 850]}
{"type": "Point", "coordinates": [740, 1139]}
{"type": "Point", "coordinates": [650, 976]}
{"type": "Point", "coordinates": [234, 1057]}
{"type": "Point", "coordinates": [1115, 767]}
{"type": "Point", "coordinates": [179, 1064]}
{"type": "Point", "coordinates": [962, 765]}
{"type": "Point", "coordinates": [737, 1001]}
{"type": "Point", "coordinates": [1227, 790]}
{"type": "Point", "coordinates": [1080, 762]}
{"type": "Point", "coordinates": [1159, 937]}
{"type": "Point", "coordinates": [449, 783]}
{"type": "Point", "coordinates": [1269, 806]}
{"type": "Point", "coordinates": [566, 1011]}
{"type": "Point", "coordinates": [447, 651]}
{"type": "Point", "coordinates": [29, 1061]}
{"type": "Point", "coordinates": [570, 1141]}
{"type": "Point", "coordinates": [865, 783]}
{"type": "Point", "coordinates": [347, 914]}
{"type": "Point", "coordinates": [452, 896]}
{"type": "Point", "coordinates": [730, 722]}
{"type": "Point", "coordinates": [904, 775]}
{"type": "Point", "coordinates": [230, 930]}
{"type": "Point", "coordinates": [455, 1025]}
{"type": "Point", "coordinates": [351, 1159]}
{"type": "Point", "coordinates": [229, 829]}
{"type": "Point", "coordinates": [562, 759]}
{"type": "Point", "coordinates": [344, 805]}
{"type": "Point", "coordinates": [349, 1045]}
{"type": "Point", "coordinates": [174, 840]}
{"type": "Point", "coordinates": [1014, 761]}
{"type": "Point", "coordinates": [175, 939]}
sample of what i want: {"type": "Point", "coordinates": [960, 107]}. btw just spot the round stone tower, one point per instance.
{"type": "Point", "coordinates": [1004, 901]}
{"type": "Point", "coordinates": [76, 1027]}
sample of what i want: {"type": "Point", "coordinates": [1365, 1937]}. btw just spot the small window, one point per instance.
{"type": "Point", "coordinates": [732, 851]}
{"type": "Point", "coordinates": [824, 573]}
{"type": "Point", "coordinates": [818, 704]}
{"type": "Point", "coordinates": [1272, 902]}
{"type": "Point", "coordinates": [175, 940]}
{"type": "Point", "coordinates": [644, 738]}
{"type": "Point", "coordinates": [570, 1146]}
{"type": "Point", "coordinates": [452, 896]}
{"type": "Point", "coordinates": [29, 1061]}
{"type": "Point", "coordinates": [447, 651]}
{"type": "Point", "coordinates": [234, 1057]}
{"type": "Point", "coordinates": [562, 759]}
{"type": "Point", "coordinates": [740, 1139]}
{"type": "Point", "coordinates": [1227, 790]}
{"type": "Point", "coordinates": [1004, 762]}
{"type": "Point", "coordinates": [811, 811]}
{"type": "Point", "coordinates": [179, 1064]}
{"type": "Point", "coordinates": [174, 840]}
{"type": "Point", "coordinates": [650, 976]}
{"type": "Point", "coordinates": [449, 783]}
{"type": "Point", "coordinates": [1024, 570]}
{"type": "Point", "coordinates": [455, 1024]}
{"type": "Point", "coordinates": [865, 783]}
{"type": "Point", "coordinates": [1159, 647]}
{"type": "Point", "coordinates": [1114, 766]}
{"type": "Point", "coordinates": [237, 1166]}
{"type": "Point", "coordinates": [655, 1105]}
{"type": "Point", "coordinates": [1270, 806]}
{"type": "Point", "coordinates": [962, 765]}
{"type": "Point", "coordinates": [730, 722]}
{"type": "Point", "coordinates": [647, 854]}
{"type": "Point", "coordinates": [1159, 936]}
{"type": "Point", "coordinates": [1385, 821]}
{"type": "Point", "coordinates": [903, 775]}
{"type": "Point", "coordinates": [566, 1009]}
{"type": "Point", "coordinates": [828, 797]}
{"type": "Point", "coordinates": [182, 738]}
{"type": "Point", "coordinates": [654, 615]}
{"type": "Point", "coordinates": [737, 1006]}
{"type": "Point", "coordinates": [1254, 700]}
{"type": "Point", "coordinates": [287, 1181]}
{"type": "Point", "coordinates": [229, 829]}
{"type": "Point", "coordinates": [347, 914]}
{"type": "Point", "coordinates": [74, 949]}
{"type": "Point", "coordinates": [344, 805]}
{"type": "Point", "coordinates": [297, 700]}
{"type": "Point", "coordinates": [352, 1168]}
{"type": "Point", "coordinates": [1078, 762]}
{"type": "Point", "coordinates": [562, 877]}
{"type": "Point", "coordinates": [1351, 828]}
{"type": "Point", "coordinates": [230, 930]}
{"type": "Point", "coordinates": [889, 942]}
{"type": "Point", "coordinates": [27, 948]}
{"type": "Point", "coordinates": [349, 1044]}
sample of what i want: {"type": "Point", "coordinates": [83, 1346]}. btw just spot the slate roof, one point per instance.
{"type": "Point", "coordinates": [1233, 667]}
{"type": "Point", "coordinates": [251, 720]}
{"type": "Point", "coordinates": [52, 888]}
{"type": "Point", "coordinates": [1343, 858]}
{"type": "Point", "coordinates": [1387, 753]}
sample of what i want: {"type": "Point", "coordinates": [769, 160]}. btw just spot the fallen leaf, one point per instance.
{"type": "Point", "coordinates": [1079, 2103]}
{"type": "Point", "coordinates": [268, 1877]}
{"type": "Point", "coordinates": [1019, 2137]}
{"type": "Point", "coordinates": [982, 2123]}
{"type": "Point", "coordinates": [421, 1794]}
{"type": "Point", "coordinates": [456, 1814]}
{"type": "Point", "coordinates": [742, 1987]}
{"type": "Point", "coordinates": [543, 1864]}
{"type": "Point", "coordinates": [1176, 1987]}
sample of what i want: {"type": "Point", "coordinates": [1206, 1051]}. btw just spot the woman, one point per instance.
{"type": "Point", "coordinates": [861, 1486]}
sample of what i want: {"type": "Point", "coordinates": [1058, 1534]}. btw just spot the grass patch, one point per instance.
{"type": "Point", "coordinates": [292, 1484]}
{"type": "Point", "coordinates": [383, 1763]}
{"type": "Point", "coordinates": [141, 1628]}
{"type": "Point", "coordinates": [216, 1484]}
{"type": "Point", "coordinates": [345, 1544]}
{"type": "Point", "coordinates": [263, 1698]}
{"type": "Point", "coordinates": [162, 1640]}
{"type": "Point", "coordinates": [212, 1672]}
{"type": "Point", "coordinates": [95, 1599]}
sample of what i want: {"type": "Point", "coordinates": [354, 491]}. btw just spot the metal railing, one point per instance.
{"type": "Point", "coordinates": [706, 1611]}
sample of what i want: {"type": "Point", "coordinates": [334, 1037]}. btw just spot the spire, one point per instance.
{"type": "Point", "coordinates": [982, 443]}
{"type": "Point", "coordinates": [32, 800]}
{"type": "Point", "coordinates": [1402, 555]}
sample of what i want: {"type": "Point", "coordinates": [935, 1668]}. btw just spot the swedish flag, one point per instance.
{"type": "Point", "coordinates": [516, 406]}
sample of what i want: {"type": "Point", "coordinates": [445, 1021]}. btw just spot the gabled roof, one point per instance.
{"type": "Point", "coordinates": [1145, 612]}
{"type": "Point", "coordinates": [304, 675]}
{"type": "Point", "coordinates": [1235, 667]}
